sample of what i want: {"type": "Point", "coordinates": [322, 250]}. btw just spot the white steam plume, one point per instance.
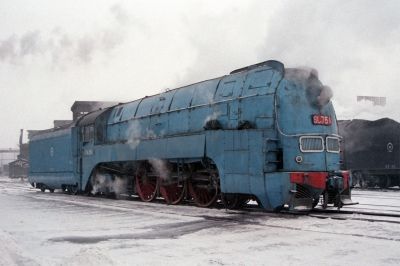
{"type": "Point", "coordinates": [107, 183]}
{"type": "Point", "coordinates": [355, 56]}
{"type": "Point", "coordinates": [325, 96]}
{"type": "Point", "coordinates": [213, 116]}
{"type": "Point", "coordinates": [133, 134]}
{"type": "Point", "coordinates": [64, 48]}
{"type": "Point", "coordinates": [308, 79]}
{"type": "Point", "coordinates": [160, 167]}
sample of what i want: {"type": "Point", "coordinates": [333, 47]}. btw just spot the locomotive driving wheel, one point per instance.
{"type": "Point", "coordinates": [204, 188]}
{"type": "Point", "coordinates": [172, 192]}
{"type": "Point", "coordinates": [146, 184]}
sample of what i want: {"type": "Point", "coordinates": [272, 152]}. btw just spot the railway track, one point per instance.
{"type": "Point", "coordinates": [355, 215]}
{"type": "Point", "coordinates": [369, 212]}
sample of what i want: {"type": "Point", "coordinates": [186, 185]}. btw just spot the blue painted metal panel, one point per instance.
{"type": "Point", "coordinates": [123, 130]}
{"type": "Point", "coordinates": [228, 140]}
{"type": "Point", "coordinates": [198, 117]}
{"type": "Point", "coordinates": [159, 125]}
{"type": "Point", "coordinates": [130, 131]}
{"type": "Point", "coordinates": [51, 159]}
{"type": "Point", "coordinates": [178, 122]}
{"type": "Point", "coordinates": [215, 151]}
{"type": "Point", "coordinates": [205, 91]}
{"type": "Point", "coordinates": [261, 81]}
{"type": "Point", "coordinates": [115, 153]}
{"type": "Point", "coordinates": [275, 81]}
{"type": "Point", "coordinates": [258, 110]}
{"type": "Point", "coordinates": [257, 81]}
{"type": "Point", "coordinates": [237, 183]}
{"type": "Point", "coordinates": [129, 110]}
{"type": "Point", "coordinates": [156, 148]}
{"type": "Point", "coordinates": [112, 133]}
{"type": "Point", "coordinates": [277, 190]}
{"type": "Point", "coordinates": [237, 162]}
{"type": "Point", "coordinates": [186, 146]}
{"type": "Point", "coordinates": [53, 180]}
{"type": "Point", "coordinates": [220, 113]}
{"type": "Point", "coordinates": [140, 128]}
{"type": "Point", "coordinates": [333, 161]}
{"type": "Point", "coordinates": [146, 105]}
{"type": "Point", "coordinates": [233, 114]}
{"type": "Point", "coordinates": [236, 150]}
{"type": "Point", "coordinates": [257, 162]}
{"type": "Point", "coordinates": [256, 155]}
{"type": "Point", "coordinates": [52, 154]}
{"type": "Point", "coordinates": [76, 151]}
{"type": "Point", "coordinates": [230, 87]}
{"type": "Point", "coordinates": [183, 97]}
{"type": "Point", "coordinates": [163, 102]}
{"type": "Point", "coordinates": [239, 156]}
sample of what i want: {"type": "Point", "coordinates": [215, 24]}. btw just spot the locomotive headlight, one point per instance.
{"type": "Point", "coordinates": [299, 159]}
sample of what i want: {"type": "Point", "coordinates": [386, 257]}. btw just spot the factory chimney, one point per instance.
{"type": "Point", "coordinates": [20, 138]}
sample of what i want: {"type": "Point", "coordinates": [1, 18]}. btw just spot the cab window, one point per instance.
{"type": "Point", "coordinates": [88, 133]}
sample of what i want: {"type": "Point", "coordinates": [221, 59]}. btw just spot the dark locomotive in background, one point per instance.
{"type": "Point", "coordinates": [371, 150]}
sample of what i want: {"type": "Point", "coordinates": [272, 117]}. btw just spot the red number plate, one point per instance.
{"type": "Point", "coordinates": [322, 120]}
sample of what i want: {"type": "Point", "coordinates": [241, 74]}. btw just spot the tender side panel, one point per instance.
{"type": "Point", "coordinates": [51, 159]}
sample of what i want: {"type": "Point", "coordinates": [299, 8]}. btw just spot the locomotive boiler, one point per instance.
{"type": "Point", "coordinates": [262, 132]}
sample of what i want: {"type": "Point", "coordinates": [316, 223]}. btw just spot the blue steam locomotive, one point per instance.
{"type": "Point", "coordinates": [262, 132]}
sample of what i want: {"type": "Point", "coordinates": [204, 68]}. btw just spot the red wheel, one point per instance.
{"type": "Point", "coordinates": [173, 193]}
{"type": "Point", "coordinates": [146, 186]}
{"type": "Point", "coordinates": [204, 189]}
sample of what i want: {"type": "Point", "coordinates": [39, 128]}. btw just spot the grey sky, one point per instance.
{"type": "Point", "coordinates": [55, 52]}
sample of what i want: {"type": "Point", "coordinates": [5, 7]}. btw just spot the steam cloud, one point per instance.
{"type": "Point", "coordinates": [351, 44]}
{"type": "Point", "coordinates": [325, 95]}
{"type": "Point", "coordinates": [213, 116]}
{"type": "Point", "coordinates": [160, 167]}
{"type": "Point", "coordinates": [105, 183]}
{"type": "Point", "coordinates": [134, 132]}
{"type": "Point", "coordinates": [62, 47]}
{"type": "Point", "coordinates": [308, 78]}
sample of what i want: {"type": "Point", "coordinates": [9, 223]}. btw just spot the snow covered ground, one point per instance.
{"type": "Point", "coordinates": [56, 229]}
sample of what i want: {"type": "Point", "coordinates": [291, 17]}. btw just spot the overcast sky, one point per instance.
{"type": "Point", "coordinates": [53, 53]}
